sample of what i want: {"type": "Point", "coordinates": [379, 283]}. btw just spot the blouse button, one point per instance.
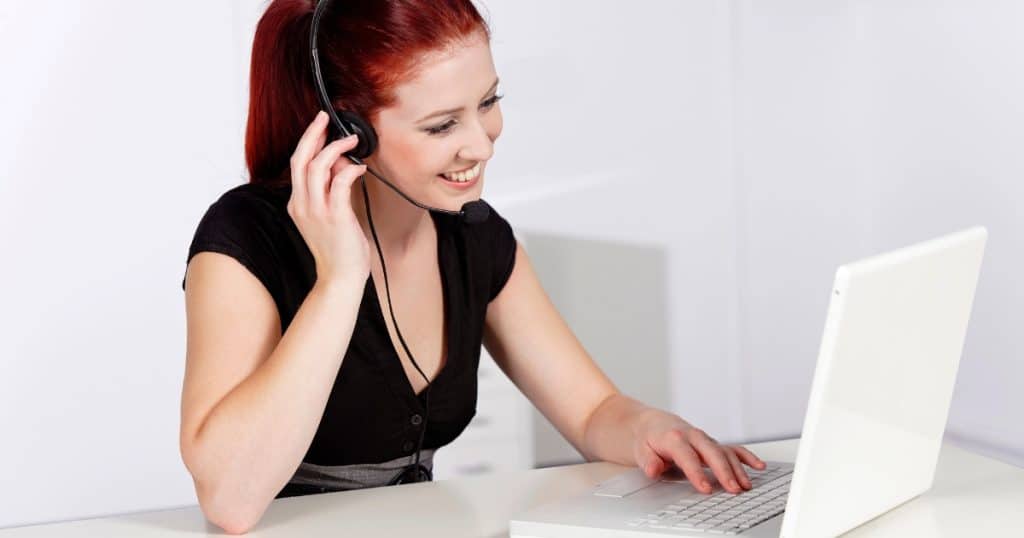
{"type": "Point", "coordinates": [417, 420]}
{"type": "Point", "coordinates": [407, 446]}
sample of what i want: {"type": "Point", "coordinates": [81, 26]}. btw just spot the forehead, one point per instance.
{"type": "Point", "coordinates": [448, 78]}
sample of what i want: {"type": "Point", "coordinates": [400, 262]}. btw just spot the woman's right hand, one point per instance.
{"type": "Point", "coordinates": [321, 206]}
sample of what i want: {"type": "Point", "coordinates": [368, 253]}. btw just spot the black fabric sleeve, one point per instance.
{"type": "Point", "coordinates": [504, 253]}
{"type": "Point", "coordinates": [241, 226]}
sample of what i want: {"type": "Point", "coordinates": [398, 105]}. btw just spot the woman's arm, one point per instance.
{"type": "Point", "coordinates": [252, 398]}
{"type": "Point", "coordinates": [534, 346]}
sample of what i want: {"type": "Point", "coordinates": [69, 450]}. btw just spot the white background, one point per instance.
{"type": "Point", "coordinates": [758, 144]}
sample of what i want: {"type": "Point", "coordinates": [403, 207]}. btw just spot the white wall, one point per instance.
{"type": "Point", "coordinates": [757, 144]}
{"type": "Point", "coordinates": [629, 138]}
{"type": "Point", "coordinates": [947, 103]}
{"type": "Point", "coordinates": [867, 126]}
{"type": "Point", "coordinates": [121, 124]}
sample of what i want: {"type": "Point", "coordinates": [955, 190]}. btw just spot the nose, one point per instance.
{"type": "Point", "coordinates": [478, 145]}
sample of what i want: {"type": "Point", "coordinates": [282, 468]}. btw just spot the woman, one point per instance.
{"type": "Point", "coordinates": [296, 381]}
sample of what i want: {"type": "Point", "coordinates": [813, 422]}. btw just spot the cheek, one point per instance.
{"type": "Point", "coordinates": [417, 160]}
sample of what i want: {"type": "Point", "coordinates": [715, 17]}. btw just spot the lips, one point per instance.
{"type": "Point", "coordinates": [464, 175]}
{"type": "Point", "coordinates": [458, 184]}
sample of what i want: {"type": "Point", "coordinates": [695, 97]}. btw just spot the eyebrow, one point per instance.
{"type": "Point", "coordinates": [453, 110]}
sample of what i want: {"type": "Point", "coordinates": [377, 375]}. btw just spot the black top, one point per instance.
{"type": "Point", "coordinates": [373, 414]}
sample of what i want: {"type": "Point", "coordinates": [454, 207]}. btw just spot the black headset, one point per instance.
{"type": "Point", "coordinates": [345, 123]}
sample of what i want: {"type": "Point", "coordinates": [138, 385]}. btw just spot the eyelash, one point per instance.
{"type": "Point", "coordinates": [446, 127]}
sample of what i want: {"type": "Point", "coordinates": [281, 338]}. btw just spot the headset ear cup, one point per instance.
{"type": "Point", "coordinates": [367, 136]}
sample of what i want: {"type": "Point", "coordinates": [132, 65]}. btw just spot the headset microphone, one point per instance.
{"type": "Point", "coordinates": [472, 212]}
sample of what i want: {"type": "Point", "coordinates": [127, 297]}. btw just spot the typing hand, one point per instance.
{"type": "Point", "coordinates": [664, 439]}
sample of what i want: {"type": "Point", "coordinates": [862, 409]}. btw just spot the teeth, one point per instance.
{"type": "Point", "coordinates": [464, 176]}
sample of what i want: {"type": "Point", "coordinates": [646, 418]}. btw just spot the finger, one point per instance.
{"type": "Point", "coordinates": [676, 448]}
{"type": "Point", "coordinates": [312, 138]}
{"type": "Point", "coordinates": [713, 454]}
{"type": "Point", "coordinates": [345, 161]}
{"type": "Point", "coordinates": [737, 468]}
{"type": "Point", "coordinates": [749, 458]}
{"type": "Point", "coordinates": [341, 183]}
{"type": "Point", "coordinates": [318, 174]}
{"type": "Point", "coordinates": [310, 142]}
{"type": "Point", "coordinates": [648, 460]}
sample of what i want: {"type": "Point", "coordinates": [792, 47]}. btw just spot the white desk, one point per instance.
{"type": "Point", "coordinates": [972, 496]}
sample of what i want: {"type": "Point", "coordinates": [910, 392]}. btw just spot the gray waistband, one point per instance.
{"type": "Point", "coordinates": [359, 475]}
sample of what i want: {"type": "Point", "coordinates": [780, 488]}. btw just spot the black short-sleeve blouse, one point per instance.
{"type": "Point", "coordinates": [373, 414]}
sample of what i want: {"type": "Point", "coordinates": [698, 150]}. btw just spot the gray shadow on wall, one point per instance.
{"type": "Point", "coordinates": [613, 296]}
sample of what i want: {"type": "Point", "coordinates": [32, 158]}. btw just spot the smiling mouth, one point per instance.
{"type": "Point", "coordinates": [464, 176]}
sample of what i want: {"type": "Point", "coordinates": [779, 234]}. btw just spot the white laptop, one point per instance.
{"type": "Point", "coordinates": [875, 418]}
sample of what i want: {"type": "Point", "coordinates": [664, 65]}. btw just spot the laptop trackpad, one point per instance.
{"type": "Point", "coordinates": [624, 484]}
{"type": "Point", "coordinates": [633, 481]}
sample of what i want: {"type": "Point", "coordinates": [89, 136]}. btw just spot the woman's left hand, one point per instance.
{"type": "Point", "coordinates": [663, 439]}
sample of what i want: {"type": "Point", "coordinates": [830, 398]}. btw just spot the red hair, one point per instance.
{"type": "Point", "coordinates": [367, 48]}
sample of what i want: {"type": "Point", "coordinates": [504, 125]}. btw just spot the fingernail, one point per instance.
{"type": "Point", "coordinates": [705, 485]}
{"type": "Point", "coordinates": [320, 115]}
{"type": "Point", "coordinates": [732, 484]}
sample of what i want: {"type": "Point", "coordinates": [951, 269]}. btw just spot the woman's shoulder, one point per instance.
{"type": "Point", "coordinates": [247, 222]}
{"type": "Point", "coordinates": [244, 210]}
{"type": "Point", "coordinates": [252, 199]}
{"type": "Point", "coordinates": [493, 249]}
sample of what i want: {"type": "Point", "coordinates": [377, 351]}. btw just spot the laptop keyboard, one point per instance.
{"type": "Point", "coordinates": [724, 512]}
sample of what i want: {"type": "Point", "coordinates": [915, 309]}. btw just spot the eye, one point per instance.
{"type": "Point", "coordinates": [446, 127]}
{"type": "Point", "coordinates": [490, 102]}
{"type": "Point", "coordinates": [441, 129]}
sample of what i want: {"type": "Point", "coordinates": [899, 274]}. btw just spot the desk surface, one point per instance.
{"type": "Point", "coordinates": [972, 496]}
